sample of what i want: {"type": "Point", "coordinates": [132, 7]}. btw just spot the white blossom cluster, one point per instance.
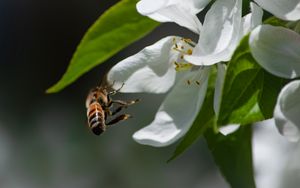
{"type": "Point", "coordinates": [181, 67]}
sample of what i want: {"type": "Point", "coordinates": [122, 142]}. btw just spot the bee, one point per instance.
{"type": "Point", "coordinates": [99, 108]}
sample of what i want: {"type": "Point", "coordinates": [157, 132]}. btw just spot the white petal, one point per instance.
{"type": "Point", "coordinates": [286, 114]}
{"type": "Point", "coordinates": [178, 11]}
{"type": "Point", "coordinates": [208, 60]}
{"type": "Point", "coordinates": [284, 9]}
{"type": "Point", "coordinates": [147, 7]}
{"type": "Point", "coordinates": [177, 113]}
{"type": "Point", "coordinates": [194, 6]}
{"type": "Point", "coordinates": [252, 20]}
{"type": "Point", "coordinates": [228, 129]}
{"type": "Point", "coordinates": [150, 70]}
{"type": "Point", "coordinates": [219, 87]}
{"type": "Point", "coordinates": [220, 33]}
{"type": "Point", "coordinates": [277, 50]}
{"type": "Point", "coordinates": [256, 17]}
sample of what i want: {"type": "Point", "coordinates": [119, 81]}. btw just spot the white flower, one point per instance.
{"type": "Point", "coordinates": [222, 31]}
{"type": "Point", "coordinates": [277, 50]}
{"type": "Point", "coordinates": [287, 110]}
{"type": "Point", "coordinates": [153, 70]}
{"type": "Point", "coordinates": [182, 12]}
{"type": "Point", "coordinates": [161, 67]}
{"type": "Point", "coordinates": [284, 9]}
{"type": "Point", "coordinates": [218, 44]}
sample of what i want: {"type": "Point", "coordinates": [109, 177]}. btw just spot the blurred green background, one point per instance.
{"type": "Point", "coordinates": [44, 140]}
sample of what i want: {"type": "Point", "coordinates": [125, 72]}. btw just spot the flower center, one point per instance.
{"type": "Point", "coordinates": [184, 47]}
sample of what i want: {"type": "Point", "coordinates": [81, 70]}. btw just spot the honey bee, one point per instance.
{"type": "Point", "coordinates": [99, 108]}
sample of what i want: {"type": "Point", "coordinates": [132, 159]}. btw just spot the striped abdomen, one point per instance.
{"type": "Point", "coordinates": [96, 118]}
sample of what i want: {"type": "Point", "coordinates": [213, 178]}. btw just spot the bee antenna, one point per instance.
{"type": "Point", "coordinates": [120, 87]}
{"type": "Point", "coordinates": [116, 91]}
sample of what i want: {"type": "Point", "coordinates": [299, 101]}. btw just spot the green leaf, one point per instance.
{"type": "Point", "coordinates": [242, 84]}
{"type": "Point", "coordinates": [233, 155]}
{"type": "Point", "coordinates": [204, 120]}
{"type": "Point", "coordinates": [118, 27]}
{"type": "Point", "coordinates": [249, 93]}
{"type": "Point", "coordinates": [271, 88]}
{"type": "Point", "coordinates": [275, 21]}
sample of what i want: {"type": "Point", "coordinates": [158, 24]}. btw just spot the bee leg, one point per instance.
{"type": "Point", "coordinates": [107, 113]}
{"type": "Point", "coordinates": [109, 104]}
{"type": "Point", "coordinates": [119, 118]}
{"type": "Point", "coordinates": [118, 110]}
{"type": "Point", "coordinates": [125, 103]}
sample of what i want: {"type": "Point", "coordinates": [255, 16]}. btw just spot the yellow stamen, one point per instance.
{"type": "Point", "coordinates": [189, 42]}
{"type": "Point", "coordinates": [182, 66]}
{"type": "Point", "coordinates": [178, 50]}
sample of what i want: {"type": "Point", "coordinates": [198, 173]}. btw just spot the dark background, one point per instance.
{"type": "Point", "coordinates": [44, 141]}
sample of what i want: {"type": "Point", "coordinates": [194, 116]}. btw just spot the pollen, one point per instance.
{"type": "Point", "coordinates": [189, 42]}
{"type": "Point", "coordinates": [190, 82]}
{"type": "Point", "coordinates": [182, 66]}
{"type": "Point", "coordinates": [184, 47]}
